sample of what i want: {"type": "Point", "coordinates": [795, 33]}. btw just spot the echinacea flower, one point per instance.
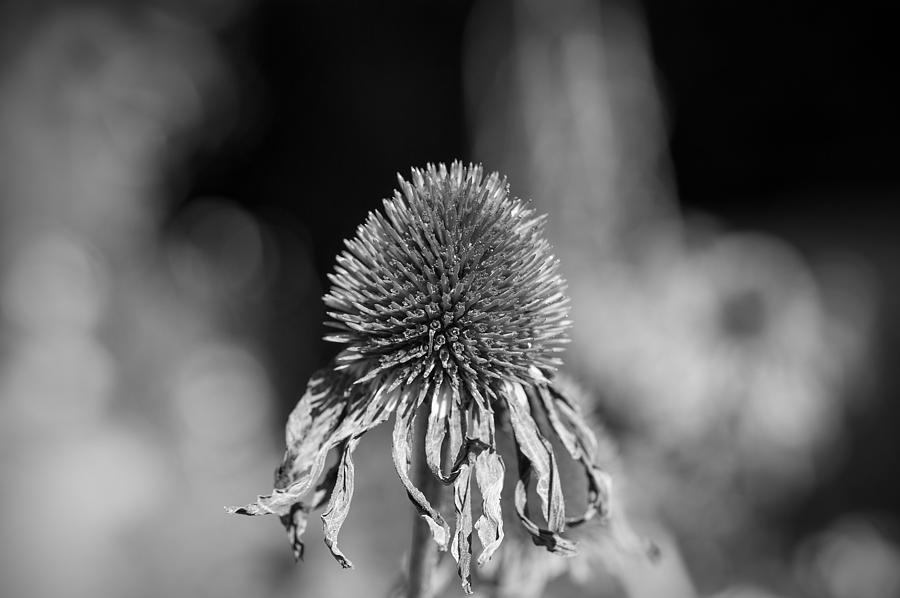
{"type": "Point", "coordinates": [449, 302]}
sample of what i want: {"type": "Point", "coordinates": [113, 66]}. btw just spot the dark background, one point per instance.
{"type": "Point", "coordinates": [773, 108]}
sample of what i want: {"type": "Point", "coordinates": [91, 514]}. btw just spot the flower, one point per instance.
{"type": "Point", "coordinates": [449, 302]}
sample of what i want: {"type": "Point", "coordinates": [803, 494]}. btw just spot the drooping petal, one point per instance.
{"type": "Point", "coordinates": [457, 425]}
{"type": "Point", "coordinates": [548, 538]}
{"type": "Point", "coordinates": [489, 471]}
{"type": "Point", "coordinates": [339, 503]}
{"type": "Point", "coordinates": [314, 418]}
{"type": "Point", "coordinates": [581, 444]}
{"type": "Point", "coordinates": [536, 454]}
{"type": "Point", "coordinates": [329, 413]}
{"type": "Point", "coordinates": [439, 419]}
{"type": "Point", "coordinates": [539, 452]}
{"type": "Point", "coordinates": [461, 548]}
{"type": "Point", "coordinates": [404, 425]}
{"type": "Point", "coordinates": [310, 434]}
{"type": "Point", "coordinates": [296, 520]}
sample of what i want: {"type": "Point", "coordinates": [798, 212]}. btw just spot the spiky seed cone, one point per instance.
{"type": "Point", "coordinates": [452, 297]}
{"type": "Point", "coordinates": [454, 279]}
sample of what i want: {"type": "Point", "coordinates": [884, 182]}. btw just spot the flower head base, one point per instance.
{"type": "Point", "coordinates": [450, 300]}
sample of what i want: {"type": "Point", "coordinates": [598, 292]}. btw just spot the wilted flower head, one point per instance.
{"type": "Point", "coordinates": [449, 301]}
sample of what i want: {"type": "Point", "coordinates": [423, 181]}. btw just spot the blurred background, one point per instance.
{"type": "Point", "coordinates": [176, 178]}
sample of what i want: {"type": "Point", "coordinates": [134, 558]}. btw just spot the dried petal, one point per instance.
{"type": "Point", "coordinates": [581, 444]}
{"type": "Point", "coordinates": [296, 520]}
{"type": "Point", "coordinates": [542, 537]}
{"type": "Point", "coordinates": [329, 413]}
{"type": "Point", "coordinates": [438, 422]}
{"type": "Point", "coordinates": [536, 454]}
{"type": "Point", "coordinates": [402, 446]}
{"type": "Point", "coordinates": [339, 503]}
{"type": "Point", "coordinates": [489, 471]}
{"type": "Point", "coordinates": [535, 447]}
{"type": "Point", "coordinates": [461, 548]}
{"type": "Point", "coordinates": [314, 427]}
{"type": "Point", "coordinates": [457, 425]}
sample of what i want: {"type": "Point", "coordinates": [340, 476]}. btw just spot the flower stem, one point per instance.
{"type": "Point", "coordinates": [423, 551]}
